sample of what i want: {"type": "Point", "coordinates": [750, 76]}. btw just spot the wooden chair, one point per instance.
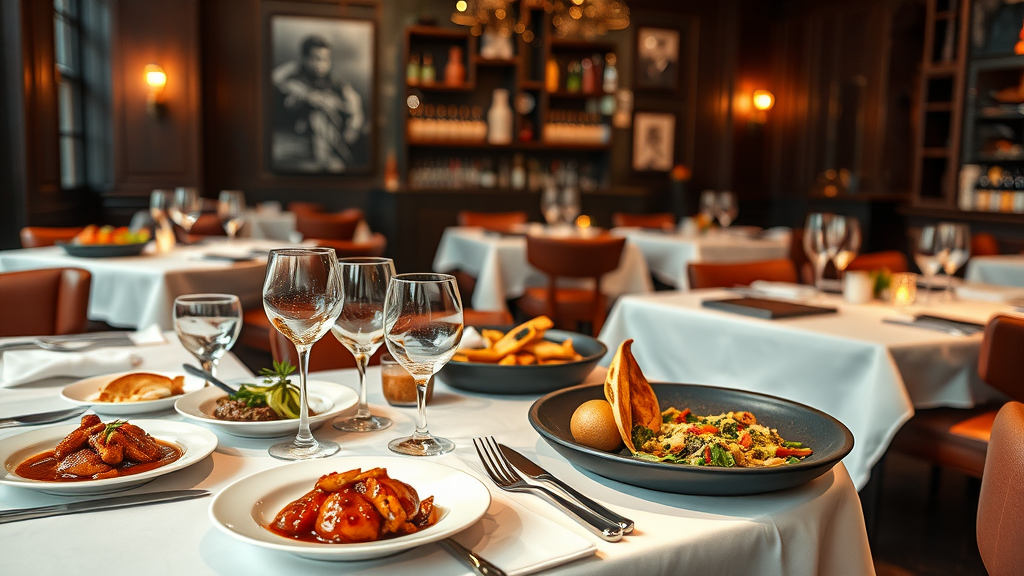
{"type": "Point", "coordinates": [46, 302]}
{"type": "Point", "coordinates": [338, 226]}
{"type": "Point", "coordinates": [892, 260]}
{"type": "Point", "coordinates": [1000, 525]}
{"type": "Point", "coordinates": [958, 438]}
{"type": "Point", "coordinates": [498, 221]}
{"type": "Point", "coordinates": [375, 246]}
{"type": "Point", "coordinates": [659, 221]}
{"type": "Point", "coordinates": [37, 236]}
{"type": "Point", "coordinates": [702, 275]}
{"type": "Point", "coordinates": [305, 207]}
{"type": "Point", "coordinates": [984, 244]}
{"type": "Point", "coordinates": [571, 258]}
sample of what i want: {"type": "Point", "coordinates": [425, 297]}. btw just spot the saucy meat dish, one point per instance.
{"type": "Point", "coordinates": [355, 506]}
{"type": "Point", "coordinates": [96, 450]}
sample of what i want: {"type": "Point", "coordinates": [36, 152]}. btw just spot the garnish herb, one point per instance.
{"type": "Point", "coordinates": [278, 393]}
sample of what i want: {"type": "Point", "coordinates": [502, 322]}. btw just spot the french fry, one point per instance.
{"type": "Point", "coordinates": [525, 359]}
{"type": "Point", "coordinates": [491, 336]}
{"type": "Point", "coordinates": [509, 360]}
{"type": "Point", "coordinates": [545, 350]}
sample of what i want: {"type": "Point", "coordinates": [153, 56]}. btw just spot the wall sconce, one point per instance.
{"type": "Point", "coordinates": [763, 101]}
{"type": "Point", "coordinates": [156, 79]}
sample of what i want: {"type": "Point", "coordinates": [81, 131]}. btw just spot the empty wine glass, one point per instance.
{"type": "Point", "coordinates": [708, 204]}
{"type": "Point", "coordinates": [726, 208]}
{"type": "Point", "coordinates": [360, 327]}
{"type": "Point", "coordinates": [231, 211]}
{"type": "Point", "coordinates": [570, 204]}
{"type": "Point", "coordinates": [302, 298]}
{"type": "Point", "coordinates": [186, 208]}
{"type": "Point", "coordinates": [159, 204]}
{"type": "Point", "coordinates": [849, 244]}
{"type": "Point", "coordinates": [835, 235]}
{"type": "Point", "coordinates": [955, 244]}
{"type": "Point", "coordinates": [422, 328]}
{"type": "Point", "coordinates": [208, 325]}
{"type": "Point", "coordinates": [549, 206]}
{"type": "Point", "coordinates": [928, 255]}
{"type": "Point", "coordinates": [814, 243]}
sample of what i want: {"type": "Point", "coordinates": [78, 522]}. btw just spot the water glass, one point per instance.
{"type": "Point", "coordinates": [231, 211]}
{"type": "Point", "coordinates": [815, 245]}
{"type": "Point", "coordinates": [708, 205]}
{"type": "Point", "coordinates": [928, 255]}
{"type": "Point", "coordinates": [159, 205]}
{"type": "Point", "coordinates": [549, 204]}
{"type": "Point", "coordinates": [726, 208]}
{"type": "Point", "coordinates": [186, 208]}
{"type": "Point", "coordinates": [848, 243]}
{"type": "Point", "coordinates": [955, 243]}
{"type": "Point", "coordinates": [207, 325]}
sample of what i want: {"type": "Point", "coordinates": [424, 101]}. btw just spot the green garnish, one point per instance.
{"type": "Point", "coordinates": [110, 429]}
{"type": "Point", "coordinates": [641, 434]}
{"type": "Point", "coordinates": [793, 444]}
{"type": "Point", "coordinates": [278, 393]}
{"type": "Point", "coordinates": [721, 457]}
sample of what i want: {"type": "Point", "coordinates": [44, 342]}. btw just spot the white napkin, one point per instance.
{"type": "Point", "coordinates": [471, 339]}
{"type": "Point", "coordinates": [148, 336]}
{"type": "Point", "coordinates": [988, 292]}
{"type": "Point", "coordinates": [783, 289]}
{"type": "Point", "coordinates": [24, 366]}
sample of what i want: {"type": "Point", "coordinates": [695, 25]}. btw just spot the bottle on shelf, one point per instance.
{"type": "Point", "coordinates": [499, 118]}
{"type": "Point", "coordinates": [611, 73]}
{"type": "Point", "coordinates": [427, 73]}
{"type": "Point", "coordinates": [574, 76]}
{"type": "Point", "coordinates": [412, 70]}
{"type": "Point", "coordinates": [454, 70]}
{"type": "Point", "coordinates": [588, 81]}
{"type": "Point", "coordinates": [518, 176]}
{"type": "Point", "coordinates": [551, 72]}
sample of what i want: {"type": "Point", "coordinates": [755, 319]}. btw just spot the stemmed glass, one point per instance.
{"type": "Point", "coordinates": [231, 211]}
{"type": "Point", "coordinates": [159, 205]}
{"type": "Point", "coordinates": [302, 298]}
{"type": "Point", "coordinates": [360, 327]}
{"type": "Point", "coordinates": [549, 206]}
{"type": "Point", "coordinates": [955, 243]}
{"type": "Point", "coordinates": [849, 243]}
{"type": "Point", "coordinates": [570, 205]}
{"type": "Point", "coordinates": [814, 243]}
{"type": "Point", "coordinates": [186, 208]}
{"type": "Point", "coordinates": [422, 328]}
{"type": "Point", "coordinates": [708, 205]}
{"type": "Point", "coordinates": [726, 208]}
{"type": "Point", "coordinates": [928, 255]}
{"type": "Point", "coordinates": [208, 325]}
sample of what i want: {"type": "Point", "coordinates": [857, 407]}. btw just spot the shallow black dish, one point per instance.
{"type": "Point", "coordinates": [102, 250]}
{"type": "Point", "coordinates": [495, 379]}
{"type": "Point", "coordinates": [829, 438]}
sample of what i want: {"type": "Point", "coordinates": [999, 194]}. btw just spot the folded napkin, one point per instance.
{"type": "Point", "coordinates": [471, 339]}
{"type": "Point", "coordinates": [783, 290]}
{"type": "Point", "coordinates": [24, 366]}
{"type": "Point", "coordinates": [148, 336]}
{"type": "Point", "coordinates": [988, 292]}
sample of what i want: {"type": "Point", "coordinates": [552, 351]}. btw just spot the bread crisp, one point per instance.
{"type": "Point", "coordinates": [632, 398]}
{"type": "Point", "coordinates": [140, 387]}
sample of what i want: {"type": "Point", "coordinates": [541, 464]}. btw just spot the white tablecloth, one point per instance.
{"type": "Point", "coordinates": [868, 374]}
{"type": "Point", "coordinates": [1005, 270]}
{"type": "Point", "coordinates": [139, 291]}
{"type": "Point", "coordinates": [668, 255]}
{"type": "Point", "coordinates": [817, 528]}
{"type": "Point", "coordinates": [499, 265]}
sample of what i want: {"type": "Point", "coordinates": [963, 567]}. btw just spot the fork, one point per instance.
{"type": "Point", "coordinates": [506, 478]}
{"type": "Point", "coordinates": [75, 345]}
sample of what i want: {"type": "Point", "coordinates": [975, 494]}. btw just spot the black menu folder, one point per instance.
{"type": "Point", "coordinates": [766, 309]}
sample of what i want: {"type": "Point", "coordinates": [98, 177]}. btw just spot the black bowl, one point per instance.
{"type": "Point", "coordinates": [538, 379]}
{"type": "Point", "coordinates": [102, 250]}
{"type": "Point", "coordinates": [829, 438]}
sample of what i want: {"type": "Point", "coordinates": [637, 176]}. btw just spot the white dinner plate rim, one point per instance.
{"type": "Point", "coordinates": [471, 511]}
{"type": "Point", "coordinates": [118, 408]}
{"type": "Point", "coordinates": [159, 429]}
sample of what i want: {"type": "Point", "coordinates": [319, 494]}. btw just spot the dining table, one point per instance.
{"type": "Point", "coordinates": [1002, 270]}
{"type": "Point", "coordinates": [498, 262]}
{"type": "Point", "coordinates": [853, 364]}
{"type": "Point", "coordinates": [669, 253]}
{"type": "Point", "coordinates": [815, 528]}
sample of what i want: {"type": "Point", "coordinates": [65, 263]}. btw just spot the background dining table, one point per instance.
{"type": "Point", "coordinates": [498, 262]}
{"type": "Point", "coordinates": [817, 528]}
{"type": "Point", "coordinates": [1004, 270]}
{"type": "Point", "coordinates": [869, 374]}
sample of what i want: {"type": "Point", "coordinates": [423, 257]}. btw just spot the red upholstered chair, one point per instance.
{"type": "Point", "coordinates": [375, 246]}
{"type": "Point", "coordinates": [37, 236]}
{"type": "Point", "coordinates": [305, 207]}
{"type": "Point", "coordinates": [1000, 524]}
{"type": "Point", "coordinates": [338, 226]}
{"type": "Point", "coordinates": [984, 244]}
{"type": "Point", "coordinates": [740, 274]}
{"type": "Point", "coordinates": [498, 221]}
{"type": "Point", "coordinates": [958, 438]}
{"type": "Point", "coordinates": [660, 220]}
{"type": "Point", "coordinates": [571, 258]}
{"type": "Point", "coordinates": [892, 260]}
{"type": "Point", "coordinates": [44, 302]}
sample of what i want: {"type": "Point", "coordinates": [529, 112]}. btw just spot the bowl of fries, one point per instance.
{"type": "Point", "coordinates": [531, 358]}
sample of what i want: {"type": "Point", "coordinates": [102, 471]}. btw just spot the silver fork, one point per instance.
{"type": "Point", "coordinates": [75, 345]}
{"type": "Point", "coordinates": [506, 478]}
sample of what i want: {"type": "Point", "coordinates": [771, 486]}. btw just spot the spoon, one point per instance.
{"type": "Point", "coordinates": [200, 373]}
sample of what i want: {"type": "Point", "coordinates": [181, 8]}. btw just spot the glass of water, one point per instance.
{"type": "Point", "coordinates": [208, 325]}
{"type": "Point", "coordinates": [928, 255]}
{"type": "Point", "coordinates": [231, 211]}
{"type": "Point", "coordinates": [955, 242]}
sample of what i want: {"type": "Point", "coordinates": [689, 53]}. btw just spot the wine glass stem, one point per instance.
{"type": "Point", "coordinates": [421, 408]}
{"type": "Point", "coordinates": [304, 437]}
{"type": "Point", "coordinates": [819, 272]}
{"type": "Point", "coordinates": [362, 360]}
{"type": "Point", "coordinates": [210, 366]}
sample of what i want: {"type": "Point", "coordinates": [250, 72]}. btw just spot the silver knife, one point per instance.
{"type": "Point", "coordinates": [480, 565]}
{"type": "Point", "coordinates": [41, 418]}
{"type": "Point", "coordinates": [101, 504]}
{"type": "Point", "coordinates": [531, 469]}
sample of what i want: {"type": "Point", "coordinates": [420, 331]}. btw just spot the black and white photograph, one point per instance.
{"type": "Point", "coordinates": [321, 78]}
{"type": "Point", "coordinates": [657, 58]}
{"type": "Point", "coordinates": [653, 142]}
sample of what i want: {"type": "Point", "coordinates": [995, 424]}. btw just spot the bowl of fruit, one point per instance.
{"type": "Point", "coordinates": [106, 242]}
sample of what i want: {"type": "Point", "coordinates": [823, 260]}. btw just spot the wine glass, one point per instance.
{"type": "Point", "coordinates": [814, 243]}
{"type": "Point", "coordinates": [835, 235]}
{"type": "Point", "coordinates": [302, 298]}
{"type": "Point", "coordinates": [231, 211]}
{"type": "Point", "coordinates": [708, 203]}
{"type": "Point", "coordinates": [207, 325]}
{"type": "Point", "coordinates": [955, 243]}
{"type": "Point", "coordinates": [570, 204]}
{"type": "Point", "coordinates": [928, 256]}
{"type": "Point", "coordinates": [186, 208]}
{"type": "Point", "coordinates": [159, 205]}
{"type": "Point", "coordinates": [422, 328]}
{"type": "Point", "coordinates": [360, 327]}
{"type": "Point", "coordinates": [726, 208]}
{"type": "Point", "coordinates": [549, 203]}
{"type": "Point", "coordinates": [849, 245]}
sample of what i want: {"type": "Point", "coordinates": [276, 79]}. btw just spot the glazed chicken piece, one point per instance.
{"type": "Point", "coordinates": [77, 438]}
{"type": "Point", "coordinates": [348, 516]}
{"type": "Point", "coordinates": [122, 441]}
{"type": "Point", "coordinates": [299, 517]}
{"type": "Point", "coordinates": [83, 463]}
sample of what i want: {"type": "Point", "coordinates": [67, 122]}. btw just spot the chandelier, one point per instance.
{"type": "Point", "coordinates": [579, 19]}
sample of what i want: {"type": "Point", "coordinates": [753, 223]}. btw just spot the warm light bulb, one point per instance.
{"type": "Point", "coordinates": [155, 76]}
{"type": "Point", "coordinates": [763, 100]}
{"type": "Point", "coordinates": [583, 221]}
{"type": "Point", "coordinates": [461, 5]}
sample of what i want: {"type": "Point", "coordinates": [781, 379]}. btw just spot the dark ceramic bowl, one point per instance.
{"type": "Point", "coordinates": [828, 437]}
{"type": "Point", "coordinates": [102, 250]}
{"type": "Point", "coordinates": [495, 379]}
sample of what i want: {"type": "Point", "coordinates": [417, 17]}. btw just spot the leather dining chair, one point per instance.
{"type": "Point", "coordinates": [892, 260]}
{"type": "Point", "coordinates": [571, 258]}
{"type": "Point", "coordinates": [498, 221]}
{"type": "Point", "coordinates": [305, 207]}
{"type": "Point", "coordinates": [659, 221]}
{"type": "Point", "coordinates": [1000, 526]}
{"type": "Point", "coordinates": [984, 244]}
{"type": "Point", "coordinates": [702, 275]}
{"type": "Point", "coordinates": [46, 302]}
{"type": "Point", "coordinates": [375, 246]}
{"type": "Point", "coordinates": [336, 226]}
{"type": "Point", "coordinates": [208, 224]}
{"type": "Point", "coordinates": [38, 236]}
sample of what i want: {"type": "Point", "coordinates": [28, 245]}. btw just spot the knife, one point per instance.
{"type": "Point", "coordinates": [101, 504]}
{"type": "Point", "coordinates": [528, 467]}
{"type": "Point", "coordinates": [41, 418]}
{"type": "Point", "coordinates": [200, 373]}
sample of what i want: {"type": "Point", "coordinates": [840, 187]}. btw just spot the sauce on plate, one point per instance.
{"type": "Point", "coordinates": [43, 466]}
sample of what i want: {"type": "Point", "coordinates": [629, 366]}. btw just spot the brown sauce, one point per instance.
{"type": "Point", "coordinates": [315, 538]}
{"type": "Point", "coordinates": [43, 466]}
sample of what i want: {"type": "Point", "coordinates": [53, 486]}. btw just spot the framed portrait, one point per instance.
{"type": "Point", "coordinates": [657, 58]}
{"type": "Point", "coordinates": [320, 87]}
{"type": "Point", "coordinates": [653, 141]}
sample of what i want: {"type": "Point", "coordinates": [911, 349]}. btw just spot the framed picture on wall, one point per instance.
{"type": "Point", "coordinates": [657, 58]}
{"type": "Point", "coordinates": [653, 141]}
{"type": "Point", "coordinates": [319, 83]}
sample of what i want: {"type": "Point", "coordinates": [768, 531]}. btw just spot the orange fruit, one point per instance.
{"type": "Point", "coordinates": [593, 425]}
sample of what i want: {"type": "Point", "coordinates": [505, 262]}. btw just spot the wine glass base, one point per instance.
{"type": "Point", "coordinates": [429, 446]}
{"type": "Point", "coordinates": [365, 424]}
{"type": "Point", "coordinates": [292, 451]}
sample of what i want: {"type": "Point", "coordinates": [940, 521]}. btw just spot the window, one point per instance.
{"type": "Point", "coordinates": [68, 55]}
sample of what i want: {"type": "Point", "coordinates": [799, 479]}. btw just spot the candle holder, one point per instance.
{"type": "Point", "coordinates": [903, 289]}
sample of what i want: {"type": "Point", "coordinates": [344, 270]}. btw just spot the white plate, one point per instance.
{"type": "Point", "coordinates": [85, 391]}
{"type": "Point", "coordinates": [196, 442]}
{"type": "Point", "coordinates": [327, 398]}
{"type": "Point", "coordinates": [243, 508]}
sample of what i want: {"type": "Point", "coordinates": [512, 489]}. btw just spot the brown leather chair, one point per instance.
{"type": "Point", "coordinates": [498, 221]}
{"type": "Point", "coordinates": [892, 260]}
{"type": "Point", "coordinates": [984, 244]}
{"type": "Point", "coordinates": [37, 236]}
{"type": "Point", "coordinates": [958, 438]}
{"type": "Point", "coordinates": [703, 275]}
{"type": "Point", "coordinates": [571, 258]}
{"type": "Point", "coordinates": [208, 224]}
{"type": "Point", "coordinates": [44, 302]}
{"type": "Point", "coordinates": [337, 226]}
{"type": "Point", "coordinates": [305, 207]}
{"type": "Point", "coordinates": [659, 221]}
{"type": "Point", "coordinates": [375, 246]}
{"type": "Point", "coordinates": [1000, 525]}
